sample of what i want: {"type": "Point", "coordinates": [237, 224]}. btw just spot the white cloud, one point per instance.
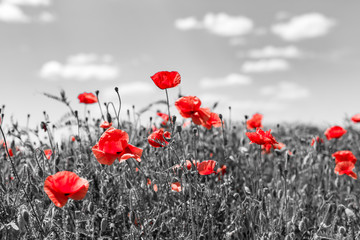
{"type": "Point", "coordinates": [12, 13]}
{"type": "Point", "coordinates": [46, 17]}
{"type": "Point", "coordinates": [273, 52]}
{"type": "Point", "coordinates": [29, 2]}
{"type": "Point", "coordinates": [265, 65]}
{"type": "Point", "coordinates": [219, 24]}
{"type": "Point", "coordinates": [81, 67]}
{"type": "Point", "coordinates": [232, 79]}
{"type": "Point", "coordinates": [305, 26]}
{"type": "Point", "coordinates": [285, 91]}
{"type": "Point", "coordinates": [187, 23]}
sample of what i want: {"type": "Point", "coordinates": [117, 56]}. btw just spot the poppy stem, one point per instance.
{"type": "Point", "coordinates": [118, 113]}
{"type": "Point", "coordinates": [168, 106]}
{"type": "Point", "coordinates": [98, 100]}
{"type": "Point", "coordinates": [20, 183]}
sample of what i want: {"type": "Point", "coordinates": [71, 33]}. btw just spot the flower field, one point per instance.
{"type": "Point", "coordinates": [201, 176]}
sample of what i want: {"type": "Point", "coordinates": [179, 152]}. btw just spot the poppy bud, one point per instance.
{"type": "Point", "coordinates": [247, 190]}
{"type": "Point", "coordinates": [108, 116]}
{"type": "Point", "coordinates": [128, 184]}
{"type": "Point", "coordinates": [26, 216]}
{"type": "Point", "coordinates": [116, 89]}
{"type": "Point", "coordinates": [76, 113]}
{"type": "Point", "coordinates": [178, 129]}
{"type": "Point", "coordinates": [103, 225]}
{"type": "Point", "coordinates": [97, 92]}
{"type": "Point", "coordinates": [150, 119]}
{"type": "Point", "coordinates": [43, 126]}
{"type": "Point", "coordinates": [246, 117]}
{"type": "Point", "coordinates": [40, 172]}
{"type": "Point", "coordinates": [194, 130]}
{"type": "Point", "coordinates": [174, 119]}
{"type": "Point", "coordinates": [220, 116]}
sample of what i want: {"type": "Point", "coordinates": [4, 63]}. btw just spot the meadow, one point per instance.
{"type": "Point", "coordinates": [195, 177]}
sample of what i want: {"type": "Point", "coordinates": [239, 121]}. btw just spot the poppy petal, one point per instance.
{"type": "Point", "coordinates": [131, 152]}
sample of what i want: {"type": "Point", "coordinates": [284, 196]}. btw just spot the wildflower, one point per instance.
{"type": "Point", "coordinates": [156, 139]}
{"type": "Point", "coordinates": [105, 125]}
{"type": "Point", "coordinates": [213, 121]}
{"type": "Point", "coordinates": [255, 121]}
{"type": "Point", "coordinates": [334, 132]}
{"type": "Point", "coordinates": [356, 118]}
{"type": "Point", "coordinates": [345, 168]}
{"type": "Point", "coordinates": [176, 187]}
{"type": "Point", "coordinates": [148, 181]}
{"type": "Point", "coordinates": [221, 170]}
{"type": "Point", "coordinates": [345, 163]}
{"type": "Point", "coordinates": [189, 107]}
{"type": "Point", "coordinates": [87, 98]}
{"type": "Point", "coordinates": [113, 144]}
{"type": "Point", "coordinates": [64, 185]}
{"type": "Point", "coordinates": [166, 79]}
{"type": "Point", "coordinates": [73, 139]}
{"type": "Point", "coordinates": [188, 164]}
{"type": "Point", "coordinates": [260, 137]}
{"type": "Point", "coordinates": [344, 156]}
{"type": "Point", "coordinates": [317, 139]}
{"type": "Point", "coordinates": [206, 167]}
{"type": "Point", "coordinates": [155, 187]}
{"type": "Point", "coordinates": [164, 116]}
{"type": "Point", "coordinates": [48, 153]}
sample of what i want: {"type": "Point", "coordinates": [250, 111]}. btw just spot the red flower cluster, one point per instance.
{"type": "Point", "coordinates": [87, 98]}
{"type": "Point", "coordinates": [176, 187]}
{"type": "Point", "coordinates": [48, 153]}
{"type": "Point", "coordinates": [255, 121]}
{"type": "Point", "coordinates": [206, 167]}
{"type": "Point", "coordinates": [317, 139]}
{"type": "Point", "coordinates": [105, 125]}
{"type": "Point", "coordinates": [260, 137]}
{"type": "Point", "coordinates": [156, 139]}
{"type": "Point", "coordinates": [267, 147]}
{"type": "Point", "coordinates": [164, 116]}
{"type": "Point", "coordinates": [189, 107]}
{"type": "Point", "coordinates": [345, 163]}
{"type": "Point", "coordinates": [113, 144]}
{"type": "Point", "coordinates": [334, 132]}
{"type": "Point", "coordinates": [64, 185]}
{"type": "Point", "coordinates": [166, 79]}
{"type": "Point", "coordinates": [356, 118]}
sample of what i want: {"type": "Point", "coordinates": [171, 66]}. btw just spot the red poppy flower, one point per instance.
{"type": "Point", "coordinates": [48, 153]}
{"type": "Point", "coordinates": [87, 98]}
{"type": "Point", "coordinates": [148, 181]}
{"type": "Point", "coordinates": [166, 79]}
{"type": "Point", "coordinates": [189, 164]}
{"type": "Point", "coordinates": [105, 125]}
{"type": "Point", "coordinates": [113, 144]}
{"type": "Point", "coordinates": [213, 121]}
{"type": "Point", "coordinates": [189, 107]}
{"type": "Point", "coordinates": [344, 156]}
{"type": "Point", "coordinates": [206, 167]}
{"type": "Point", "coordinates": [345, 168]}
{"type": "Point", "coordinates": [317, 139]}
{"type": "Point", "coordinates": [356, 118]}
{"type": "Point", "coordinates": [176, 187]}
{"type": "Point", "coordinates": [155, 187]}
{"type": "Point", "coordinates": [164, 116]}
{"type": "Point", "coordinates": [186, 123]}
{"type": "Point", "coordinates": [11, 152]}
{"type": "Point", "coordinates": [73, 138]}
{"type": "Point", "coordinates": [156, 139]}
{"type": "Point", "coordinates": [221, 170]}
{"type": "Point", "coordinates": [255, 121]}
{"type": "Point", "coordinates": [260, 137]}
{"type": "Point", "coordinates": [334, 132]}
{"type": "Point", "coordinates": [266, 148]}
{"type": "Point", "coordinates": [64, 185]}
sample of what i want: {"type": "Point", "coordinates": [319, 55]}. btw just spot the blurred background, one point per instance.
{"type": "Point", "coordinates": [290, 60]}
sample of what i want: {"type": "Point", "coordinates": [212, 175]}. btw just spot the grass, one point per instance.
{"type": "Point", "coordinates": [280, 195]}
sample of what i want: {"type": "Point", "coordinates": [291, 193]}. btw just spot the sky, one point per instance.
{"type": "Point", "coordinates": [290, 60]}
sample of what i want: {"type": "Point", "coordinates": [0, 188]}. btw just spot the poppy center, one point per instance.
{"type": "Point", "coordinates": [118, 152]}
{"type": "Point", "coordinates": [67, 194]}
